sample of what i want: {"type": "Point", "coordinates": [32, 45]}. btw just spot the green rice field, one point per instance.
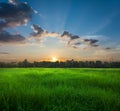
{"type": "Point", "coordinates": [59, 89]}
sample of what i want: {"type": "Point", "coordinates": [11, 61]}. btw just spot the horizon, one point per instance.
{"type": "Point", "coordinates": [50, 60]}
{"type": "Point", "coordinates": [83, 30]}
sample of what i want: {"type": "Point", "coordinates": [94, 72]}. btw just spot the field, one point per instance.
{"type": "Point", "coordinates": [57, 89]}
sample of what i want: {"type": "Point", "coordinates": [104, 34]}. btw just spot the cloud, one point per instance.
{"type": "Point", "coordinates": [4, 53]}
{"type": "Point", "coordinates": [3, 25]}
{"type": "Point", "coordinates": [37, 30]}
{"type": "Point", "coordinates": [95, 45]}
{"type": "Point", "coordinates": [13, 1]}
{"type": "Point", "coordinates": [91, 41]}
{"type": "Point", "coordinates": [70, 36]}
{"type": "Point", "coordinates": [75, 45]}
{"type": "Point", "coordinates": [6, 37]}
{"type": "Point", "coordinates": [107, 48]}
{"type": "Point", "coordinates": [14, 14]}
{"type": "Point", "coordinates": [66, 34]}
{"type": "Point", "coordinates": [39, 34]}
{"type": "Point", "coordinates": [76, 41]}
{"type": "Point", "coordinates": [72, 40]}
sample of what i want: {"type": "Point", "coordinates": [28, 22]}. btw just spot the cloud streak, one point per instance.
{"type": "Point", "coordinates": [39, 34]}
{"type": "Point", "coordinates": [7, 38]}
{"type": "Point", "coordinates": [76, 41]}
{"type": "Point", "coordinates": [4, 53]}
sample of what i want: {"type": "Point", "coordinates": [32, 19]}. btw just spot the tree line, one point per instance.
{"type": "Point", "coordinates": [67, 64]}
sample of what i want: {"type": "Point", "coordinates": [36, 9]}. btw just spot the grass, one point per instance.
{"type": "Point", "coordinates": [46, 89]}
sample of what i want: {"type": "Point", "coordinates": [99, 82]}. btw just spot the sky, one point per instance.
{"type": "Point", "coordinates": [62, 29]}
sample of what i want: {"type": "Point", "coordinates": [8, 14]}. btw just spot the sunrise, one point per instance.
{"type": "Point", "coordinates": [59, 55]}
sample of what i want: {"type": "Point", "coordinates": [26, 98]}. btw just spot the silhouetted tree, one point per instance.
{"type": "Point", "coordinates": [68, 63]}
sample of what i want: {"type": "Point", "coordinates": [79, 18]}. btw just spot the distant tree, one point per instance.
{"type": "Point", "coordinates": [98, 64]}
{"type": "Point", "coordinates": [25, 63]}
{"type": "Point", "coordinates": [69, 63]}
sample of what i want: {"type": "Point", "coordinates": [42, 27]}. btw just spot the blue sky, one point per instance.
{"type": "Point", "coordinates": [88, 19]}
{"type": "Point", "coordinates": [78, 16]}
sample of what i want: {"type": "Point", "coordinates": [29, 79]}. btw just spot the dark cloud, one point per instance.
{"type": "Point", "coordinates": [75, 40]}
{"type": "Point", "coordinates": [3, 25]}
{"type": "Point", "coordinates": [39, 33]}
{"type": "Point", "coordinates": [67, 34]}
{"type": "Point", "coordinates": [6, 37]}
{"type": "Point", "coordinates": [95, 45]}
{"type": "Point", "coordinates": [75, 45]}
{"type": "Point", "coordinates": [107, 48]}
{"type": "Point", "coordinates": [70, 37]}
{"type": "Point", "coordinates": [14, 14]}
{"type": "Point", "coordinates": [91, 41]}
{"type": "Point", "coordinates": [37, 30]}
{"type": "Point", "coordinates": [74, 37]}
{"type": "Point", "coordinates": [5, 53]}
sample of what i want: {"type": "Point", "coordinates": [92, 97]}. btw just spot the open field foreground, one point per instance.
{"type": "Point", "coordinates": [45, 89]}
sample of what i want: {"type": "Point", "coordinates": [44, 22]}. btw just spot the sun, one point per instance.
{"type": "Point", "coordinates": [54, 59]}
